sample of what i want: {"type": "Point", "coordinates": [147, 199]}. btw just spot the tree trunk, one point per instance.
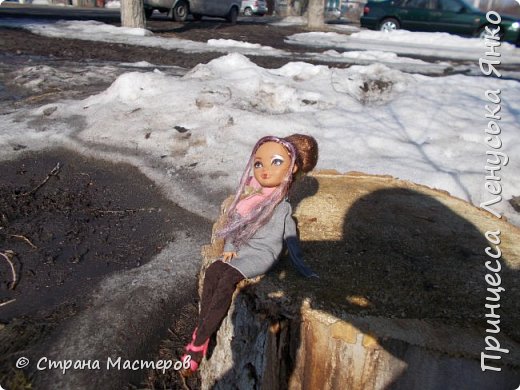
{"type": "Point", "coordinates": [132, 13]}
{"type": "Point", "coordinates": [315, 12]}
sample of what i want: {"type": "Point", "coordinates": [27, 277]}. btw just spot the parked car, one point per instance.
{"type": "Point", "coordinates": [332, 13]}
{"type": "Point", "coordinates": [452, 16]}
{"type": "Point", "coordinates": [254, 7]}
{"type": "Point", "coordinates": [179, 10]}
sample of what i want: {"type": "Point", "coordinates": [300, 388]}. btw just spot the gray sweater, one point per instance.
{"type": "Point", "coordinates": [256, 256]}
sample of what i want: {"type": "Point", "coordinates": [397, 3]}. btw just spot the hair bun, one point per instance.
{"type": "Point", "coordinates": [307, 150]}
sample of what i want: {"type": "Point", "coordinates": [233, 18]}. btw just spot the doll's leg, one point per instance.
{"type": "Point", "coordinates": [219, 284]}
{"type": "Point", "coordinates": [212, 276]}
{"type": "Point", "coordinates": [220, 302]}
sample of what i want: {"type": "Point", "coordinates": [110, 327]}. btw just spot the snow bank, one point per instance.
{"type": "Point", "coordinates": [79, 28]}
{"type": "Point", "coordinates": [426, 38]}
{"type": "Point", "coordinates": [366, 118]}
{"type": "Point", "coordinates": [437, 45]}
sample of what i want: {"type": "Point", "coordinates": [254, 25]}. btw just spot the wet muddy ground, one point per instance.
{"type": "Point", "coordinates": [69, 221]}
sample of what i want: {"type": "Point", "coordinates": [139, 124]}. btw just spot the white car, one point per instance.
{"type": "Point", "coordinates": [254, 7]}
{"type": "Point", "coordinates": [178, 10]}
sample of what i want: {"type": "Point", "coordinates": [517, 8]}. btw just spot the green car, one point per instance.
{"type": "Point", "coordinates": [451, 16]}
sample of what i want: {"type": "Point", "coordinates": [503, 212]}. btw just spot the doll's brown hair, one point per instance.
{"type": "Point", "coordinates": [306, 151]}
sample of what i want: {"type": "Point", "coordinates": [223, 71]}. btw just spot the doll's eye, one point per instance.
{"type": "Point", "coordinates": [258, 164]}
{"type": "Point", "coordinates": [277, 162]}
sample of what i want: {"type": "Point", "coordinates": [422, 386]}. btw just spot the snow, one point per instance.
{"type": "Point", "coordinates": [139, 64]}
{"type": "Point", "coordinates": [291, 21]}
{"type": "Point", "coordinates": [113, 4]}
{"type": "Point", "coordinates": [202, 125]}
{"type": "Point", "coordinates": [230, 43]}
{"type": "Point", "coordinates": [44, 77]}
{"type": "Point", "coordinates": [425, 38]}
{"type": "Point", "coordinates": [389, 59]}
{"type": "Point", "coordinates": [373, 55]}
{"type": "Point", "coordinates": [437, 45]}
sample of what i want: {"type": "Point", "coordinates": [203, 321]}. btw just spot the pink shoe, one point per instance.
{"type": "Point", "coordinates": [194, 365]}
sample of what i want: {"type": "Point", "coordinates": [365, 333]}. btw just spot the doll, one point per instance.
{"type": "Point", "coordinates": [257, 222]}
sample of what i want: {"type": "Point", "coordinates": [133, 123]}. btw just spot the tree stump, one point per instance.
{"type": "Point", "coordinates": [400, 302]}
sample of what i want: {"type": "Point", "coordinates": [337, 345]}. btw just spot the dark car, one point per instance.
{"type": "Point", "coordinates": [451, 16]}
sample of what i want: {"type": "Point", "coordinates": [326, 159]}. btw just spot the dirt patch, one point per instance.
{"type": "Point", "coordinates": [87, 220]}
{"type": "Point", "coordinates": [22, 42]}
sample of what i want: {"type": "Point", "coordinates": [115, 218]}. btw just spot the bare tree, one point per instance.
{"type": "Point", "coordinates": [315, 14]}
{"type": "Point", "coordinates": [132, 13]}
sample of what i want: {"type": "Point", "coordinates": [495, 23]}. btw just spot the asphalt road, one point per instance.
{"type": "Point", "coordinates": [14, 10]}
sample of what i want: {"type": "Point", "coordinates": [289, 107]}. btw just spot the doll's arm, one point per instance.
{"type": "Point", "coordinates": [229, 252]}
{"type": "Point", "coordinates": [295, 251]}
{"type": "Point", "coordinates": [228, 256]}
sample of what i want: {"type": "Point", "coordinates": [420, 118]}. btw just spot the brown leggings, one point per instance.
{"type": "Point", "coordinates": [219, 284]}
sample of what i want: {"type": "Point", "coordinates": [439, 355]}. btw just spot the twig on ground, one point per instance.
{"type": "Point", "coordinates": [3, 219]}
{"type": "Point", "coordinates": [7, 302]}
{"type": "Point", "coordinates": [7, 256]}
{"type": "Point", "coordinates": [54, 172]}
{"type": "Point", "coordinates": [25, 239]}
{"type": "Point", "coordinates": [122, 211]}
{"type": "Point", "coordinates": [184, 384]}
{"type": "Point", "coordinates": [44, 95]}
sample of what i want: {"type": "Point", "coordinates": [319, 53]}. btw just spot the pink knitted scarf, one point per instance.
{"type": "Point", "coordinates": [254, 195]}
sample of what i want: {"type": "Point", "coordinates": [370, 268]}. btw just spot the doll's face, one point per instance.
{"type": "Point", "coordinates": [271, 164]}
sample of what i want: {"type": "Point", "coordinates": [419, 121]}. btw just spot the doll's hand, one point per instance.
{"type": "Point", "coordinates": [228, 256]}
